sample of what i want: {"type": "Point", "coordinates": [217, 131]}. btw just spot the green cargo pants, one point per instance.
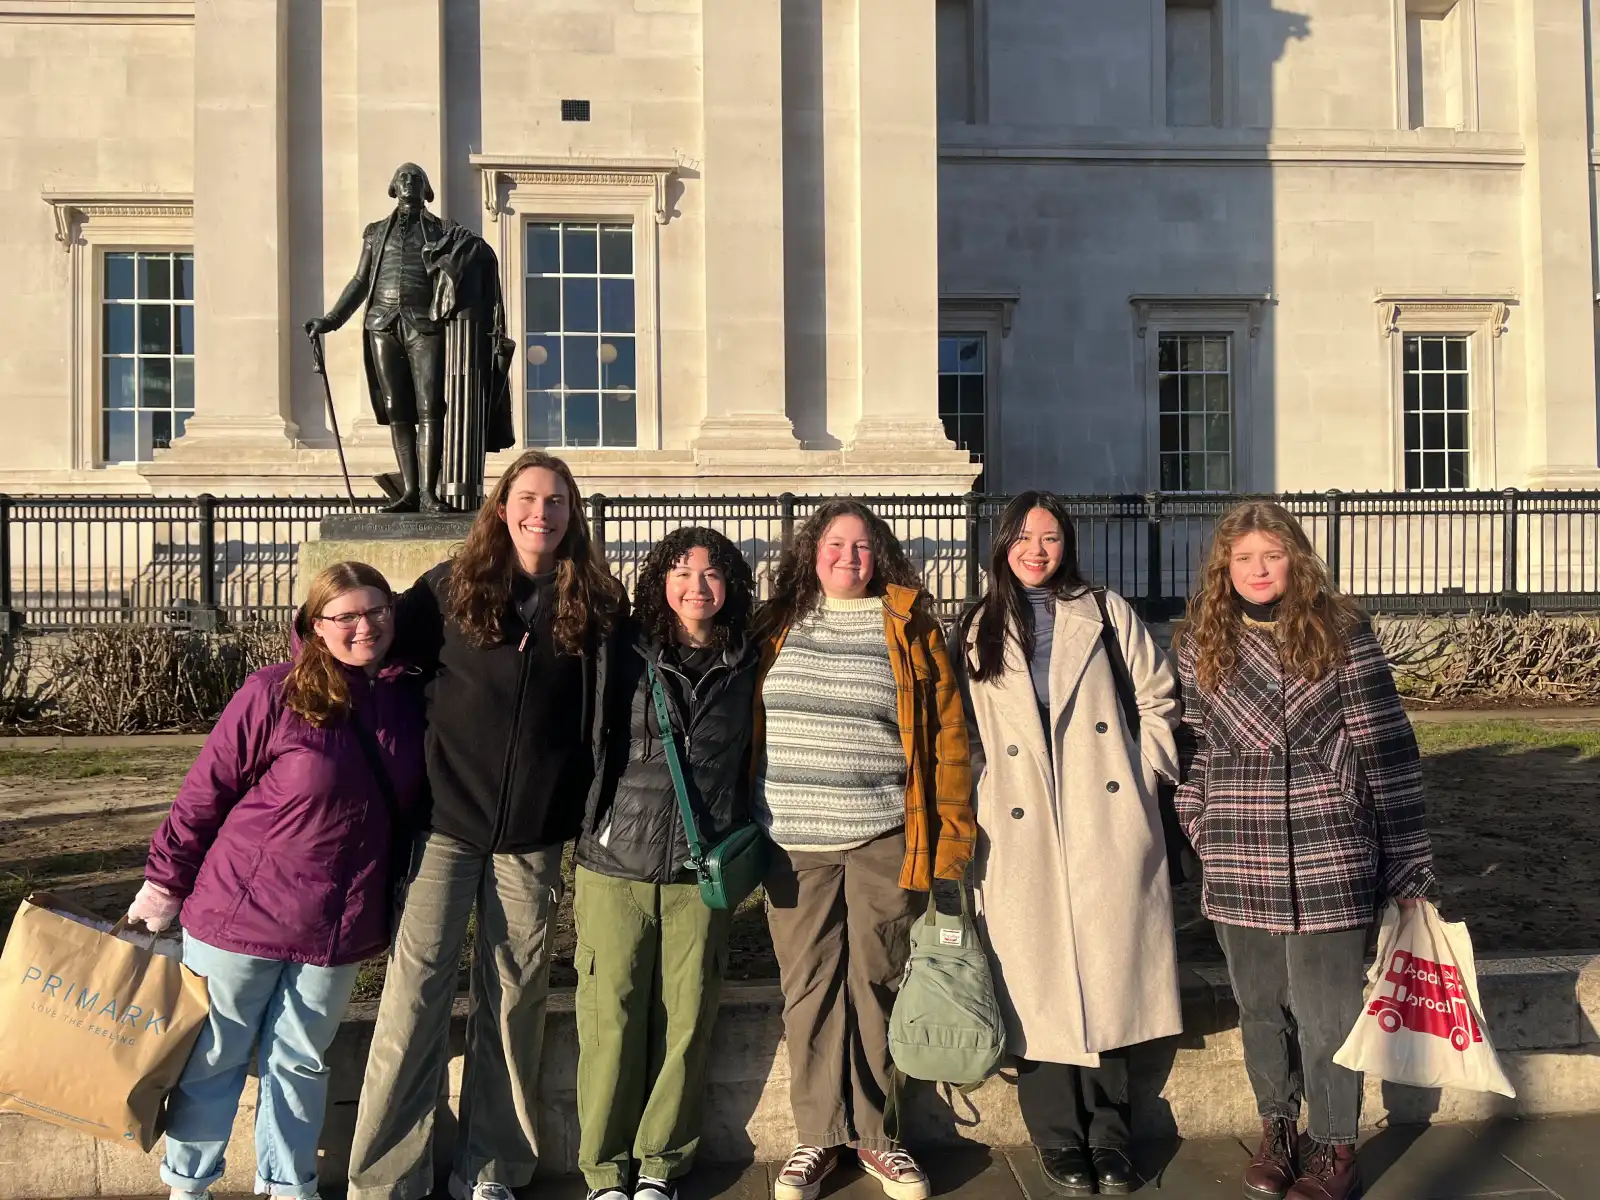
{"type": "Point", "coordinates": [650, 963]}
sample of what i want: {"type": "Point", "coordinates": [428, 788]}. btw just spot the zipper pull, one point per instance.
{"type": "Point", "coordinates": [523, 644]}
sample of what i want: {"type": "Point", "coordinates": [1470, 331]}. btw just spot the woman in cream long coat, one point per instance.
{"type": "Point", "coordinates": [1073, 898]}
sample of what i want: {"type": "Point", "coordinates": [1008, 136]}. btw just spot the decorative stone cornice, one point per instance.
{"type": "Point", "coordinates": [1003, 303]}
{"type": "Point", "coordinates": [1495, 309]}
{"type": "Point", "coordinates": [1250, 303]}
{"type": "Point", "coordinates": [71, 208]}
{"type": "Point", "coordinates": [501, 171]}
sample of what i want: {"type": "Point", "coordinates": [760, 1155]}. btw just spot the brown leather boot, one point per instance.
{"type": "Point", "coordinates": [1329, 1174]}
{"type": "Point", "coordinates": [1273, 1170]}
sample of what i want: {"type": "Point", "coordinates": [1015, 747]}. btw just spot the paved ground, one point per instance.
{"type": "Point", "coordinates": [1510, 1160]}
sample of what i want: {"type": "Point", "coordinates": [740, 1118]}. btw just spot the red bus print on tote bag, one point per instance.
{"type": "Point", "coordinates": [1426, 997]}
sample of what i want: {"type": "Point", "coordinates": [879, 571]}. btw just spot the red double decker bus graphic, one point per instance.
{"type": "Point", "coordinates": [1426, 997]}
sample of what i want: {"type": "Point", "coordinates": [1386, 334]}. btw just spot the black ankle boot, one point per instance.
{"type": "Point", "coordinates": [1068, 1169]}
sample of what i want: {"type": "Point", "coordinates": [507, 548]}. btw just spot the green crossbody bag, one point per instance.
{"type": "Point", "coordinates": [735, 866]}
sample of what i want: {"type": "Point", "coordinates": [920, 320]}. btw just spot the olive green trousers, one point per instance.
{"type": "Point", "coordinates": [650, 962]}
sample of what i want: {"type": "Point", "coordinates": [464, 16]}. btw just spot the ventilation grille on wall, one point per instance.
{"type": "Point", "coordinates": [574, 110]}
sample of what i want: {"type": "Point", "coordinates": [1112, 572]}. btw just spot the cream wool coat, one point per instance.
{"type": "Point", "coordinates": [1070, 877]}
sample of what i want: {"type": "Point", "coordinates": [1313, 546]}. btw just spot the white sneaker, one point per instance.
{"type": "Point", "coordinates": [802, 1175]}
{"type": "Point", "coordinates": [180, 1194]}
{"type": "Point", "coordinates": [615, 1193]}
{"type": "Point", "coordinates": [483, 1191]}
{"type": "Point", "coordinates": [655, 1189]}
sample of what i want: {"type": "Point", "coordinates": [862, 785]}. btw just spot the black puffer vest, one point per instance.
{"type": "Point", "coordinates": [632, 828]}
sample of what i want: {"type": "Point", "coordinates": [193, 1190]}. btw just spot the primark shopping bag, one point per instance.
{"type": "Point", "coordinates": [95, 1026]}
{"type": "Point", "coordinates": [1421, 1022]}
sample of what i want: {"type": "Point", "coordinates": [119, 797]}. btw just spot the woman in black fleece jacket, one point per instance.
{"type": "Point", "coordinates": [508, 634]}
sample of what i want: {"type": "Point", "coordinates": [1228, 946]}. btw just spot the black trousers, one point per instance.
{"type": "Point", "coordinates": [410, 366]}
{"type": "Point", "coordinates": [1074, 1106]}
{"type": "Point", "coordinates": [1299, 995]}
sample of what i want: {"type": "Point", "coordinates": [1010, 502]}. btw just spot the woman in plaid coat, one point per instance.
{"type": "Point", "coordinates": [1303, 798]}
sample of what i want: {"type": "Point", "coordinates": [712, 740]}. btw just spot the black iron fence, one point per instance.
{"type": "Point", "coordinates": [69, 561]}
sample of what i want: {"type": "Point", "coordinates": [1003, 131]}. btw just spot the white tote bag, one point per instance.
{"type": "Point", "coordinates": [1421, 1022]}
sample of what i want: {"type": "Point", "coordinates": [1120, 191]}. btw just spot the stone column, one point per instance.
{"type": "Point", "coordinates": [899, 230]}
{"type": "Point", "coordinates": [742, 88]}
{"type": "Point", "coordinates": [1558, 303]}
{"type": "Point", "coordinates": [241, 212]}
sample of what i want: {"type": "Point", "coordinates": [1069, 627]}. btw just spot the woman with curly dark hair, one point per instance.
{"type": "Point", "coordinates": [650, 952]}
{"type": "Point", "coordinates": [863, 783]}
{"type": "Point", "coordinates": [509, 635]}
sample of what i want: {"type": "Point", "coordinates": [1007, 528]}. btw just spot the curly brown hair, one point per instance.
{"type": "Point", "coordinates": [315, 687]}
{"type": "Point", "coordinates": [650, 608]}
{"type": "Point", "coordinates": [1313, 618]}
{"type": "Point", "coordinates": [588, 596]}
{"type": "Point", "coordinates": [796, 590]}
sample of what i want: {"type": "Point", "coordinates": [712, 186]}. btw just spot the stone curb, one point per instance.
{"type": "Point", "coordinates": [124, 741]}
{"type": "Point", "coordinates": [1542, 1012]}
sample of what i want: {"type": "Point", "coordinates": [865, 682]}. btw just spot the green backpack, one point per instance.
{"type": "Point", "coordinates": [946, 1024]}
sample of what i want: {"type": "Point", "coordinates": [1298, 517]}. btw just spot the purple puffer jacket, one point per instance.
{"type": "Point", "coordinates": [279, 839]}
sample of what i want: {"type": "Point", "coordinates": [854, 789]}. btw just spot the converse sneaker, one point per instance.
{"type": "Point", "coordinates": [655, 1189]}
{"type": "Point", "coordinates": [483, 1191]}
{"type": "Point", "coordinates": [802, 1176]}
{"type": "Point", "coordinates": [897, 1171]}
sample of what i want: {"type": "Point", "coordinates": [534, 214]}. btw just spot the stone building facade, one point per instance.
{"type": "Point", "coordinates": [766, 245]}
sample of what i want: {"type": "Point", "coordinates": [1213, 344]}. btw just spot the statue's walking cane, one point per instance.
{"type": "Point", "coordinates": [321, 368]}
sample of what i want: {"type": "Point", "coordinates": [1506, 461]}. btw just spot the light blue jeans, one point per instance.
{"type": "Point", "coordinates": [295, 1011]}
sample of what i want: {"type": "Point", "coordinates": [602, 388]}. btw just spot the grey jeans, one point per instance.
{"type": "Point", "coordinates": [391, 1156]}
{"type": "Point", "coordinates": [1299, 995]}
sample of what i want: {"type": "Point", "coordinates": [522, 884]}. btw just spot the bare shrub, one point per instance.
{"type": "Point", "coordinates": [1519, 658]}
{"type": "Point", "coordinates": [117, 679]}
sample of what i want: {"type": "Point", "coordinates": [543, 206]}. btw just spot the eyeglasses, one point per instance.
{"type": "Point", "coordinates": [374, 616]}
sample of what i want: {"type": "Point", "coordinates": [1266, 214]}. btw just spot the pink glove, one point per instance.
{"type": "Point", "coordinates": [155, 906]}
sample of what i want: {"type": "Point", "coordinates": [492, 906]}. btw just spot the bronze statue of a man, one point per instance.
{"type": "Point", "coordinates": [404, 339]}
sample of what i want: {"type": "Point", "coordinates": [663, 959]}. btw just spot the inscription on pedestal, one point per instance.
{"type": "Point", "coordinates": [397, 527]}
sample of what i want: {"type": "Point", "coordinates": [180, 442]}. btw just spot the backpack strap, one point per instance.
{"type": "Point", "coordinates": [669, 742]}
{"type": "Point", "coordinates": [1126, 694]}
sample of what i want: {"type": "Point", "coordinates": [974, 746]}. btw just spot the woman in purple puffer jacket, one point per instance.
{"type": "Point", "coordinates": [278, 853]}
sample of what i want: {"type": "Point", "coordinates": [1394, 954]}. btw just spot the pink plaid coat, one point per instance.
{"type": "Point", "coordinates": [1303, 800]}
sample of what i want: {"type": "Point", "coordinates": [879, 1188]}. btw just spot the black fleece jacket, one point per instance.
{"type": "Point", "coordinates": [510, 750]}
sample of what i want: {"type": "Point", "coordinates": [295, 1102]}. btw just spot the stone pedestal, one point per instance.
{"type": "Point", "coordinates": [402, 546]}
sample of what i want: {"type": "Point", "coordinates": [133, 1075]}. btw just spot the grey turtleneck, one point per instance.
{"type": "Point", "coordinates": [1042, 609]}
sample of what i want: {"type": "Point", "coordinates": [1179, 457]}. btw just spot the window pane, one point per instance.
{"type": "Point", "coordinates": [155, 329]}
{"type": "Point", "coordinates": [1456, 392]}
{"type": "Point", "coordinates": [183, 278]}
{"type": "Point", "coordinates": [971, 354]}
{"type": "Point", "coordinates": [1167, 353]}
{"type": "Point", "coordinates": [1169, 435]}
{"type": "Point", "coordinates": [160, 430]}
{"type": "Point", "coordinates": [581, 304]}
{"type": "Point", "coordinates": [1217, 393]}
{"type": "Point", "coordinates": [583, 419]}
{"type": "Point", "coordinates": [616, 364]}
{"type": "Point", "coordinates": [543, 360]}
{"type": "Point", "coordinates": [579, 255]}
{"type": "Point", "coordinates": [619, 419]}
{"type": "Point", "coordinates": [952, 426]}
{"type": "Point", "coordinates": [118, 380]}
{"type": "Point", "coordinates": [121, 444]}
{"type": "Point", "coordinates": [1432, 392]}
{"type": "Point", "coordinates": [155, 277]}
{"type": "Point", "coordinates": [1457, 470]}
{"type": "Point", "coordinates": [1192, 391]}
{"type": "Point", "coordinates": [972, 389]}
{"type": "Point", "coordinates": [616, 305]}
{"type": "Point", "coordinates": [1433, 471]}
{"type": "Point", "coordinates": [1217, 438]}
{"type": "Point", "coordinates": [948, 347]}
{"type": "Point", "coordinates": [1456, 428]}
{"type": "Point", "coordinates": [155, 383]}
{"type": "Point", "coordinates": [616, 250]}
{"type": "Point", "coordinates": [971, 439]}
{"type": "Point", "coordinates": [1413, 352]}
{"type": "Point", "coordinates": [544, 418]}
{"type": "Point", "coordinates": [117, 336]}
{"type": "Point", "coordinates": [1413, 431]}
{"type": "Point", "coordinates": [119, 277]}
{"type": "Point", "coordinates": [185, 342]}
{"type": "Point", "coordinates": [1433, 354]}
{"type": "Point", "coordinates": [949, 395]}
{"type": "Point", "coordinates": [543, 303]}
{"type": "Point", "coordinates": [1413, 471]}
{"type": "Point", "coordinates": [179, 420]}
{"type": "Point", "coordinates": [1191, 353]}
{"type": "Point", "coordinates": [183, 383]}
{"type": "Point", "coordinates": [1169, 473]}
{"type": "Point", "coordinates": [544, 249]}
{"type": "Point", "coordinates": [1169, 393]}
{"type": "Point", "coordinates": [1219, 475]}
{"type": "Point", "coordinates": [1216, 354]}
{"type": "Point", "coordinates": [1455, 356]}
{"type": "Point", "coordinates": [1413, 390]}
{"type": "Point", "coordinates": [1193, 433]}
{"type": "Point", "coordinates": [1432, 430]}
{"type": "Point", "coordinates": [583, 362]}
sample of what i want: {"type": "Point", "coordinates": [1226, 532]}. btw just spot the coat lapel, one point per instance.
{"type": "Point", "coordinates": [1012, 695]}
{"type": "Point", "coordinates": [1077, 633]}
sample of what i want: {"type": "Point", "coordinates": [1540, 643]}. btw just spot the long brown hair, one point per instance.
{"type": "Point", "coordinates": [796, 590]}
{"type": "Point", "coordinates": [1313, 618]}
{"type": "Point", "coordinates": [316, 687]}
{"type": "Point", "coordinates": [587, 595]}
